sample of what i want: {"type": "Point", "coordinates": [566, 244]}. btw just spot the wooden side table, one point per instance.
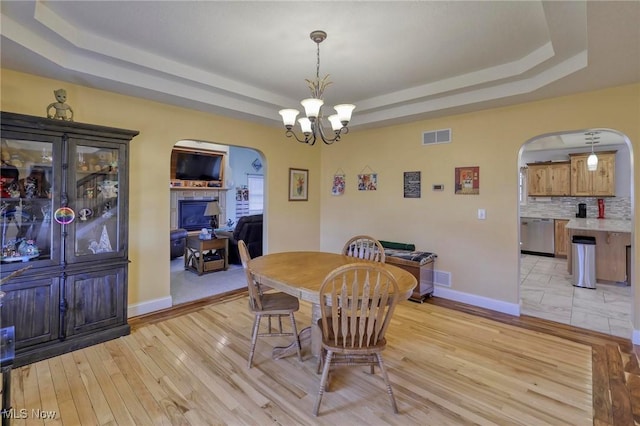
{"type": "Point", "coordinates": [196, 252]}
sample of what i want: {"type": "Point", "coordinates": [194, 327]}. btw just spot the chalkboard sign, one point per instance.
{"type": "Point", "coordinates": [411, 184]}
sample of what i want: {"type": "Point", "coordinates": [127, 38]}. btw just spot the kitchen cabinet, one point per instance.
{"type": "Point", "coordinates": [599, 183]}
{"type": "Point", "coordinates": [561, 238]}
{"type": "Point", "coordinates": [549, 179]}
{"type": "Point", "coordinates": [63, 215]}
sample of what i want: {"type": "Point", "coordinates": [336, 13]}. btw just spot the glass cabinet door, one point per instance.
{"type": "Point", "coordinates": [95, 198]}
{"type": "Point", "coordinates": [27, 184]}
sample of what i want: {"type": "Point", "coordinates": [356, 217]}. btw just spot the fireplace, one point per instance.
{"type": "Point", "coordinates": [191, 214]}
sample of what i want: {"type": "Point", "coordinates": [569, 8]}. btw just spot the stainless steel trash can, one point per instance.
{"type": "Point", "coordinates": [584, 261]}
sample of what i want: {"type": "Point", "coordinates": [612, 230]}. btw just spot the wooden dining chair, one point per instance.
{"type": "Point", "coordinates": [269, 305]}
{"type": "Point", "coordinates": [356, 305]}
{"type": "Point", "coordinates": [364, 247]}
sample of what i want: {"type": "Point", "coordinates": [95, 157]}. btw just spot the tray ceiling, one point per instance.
{"type": "Point", "coordinates": [397, 61]}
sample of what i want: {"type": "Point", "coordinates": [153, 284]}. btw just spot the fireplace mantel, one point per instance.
{"type": "Point", "coordinates": [196, 188]}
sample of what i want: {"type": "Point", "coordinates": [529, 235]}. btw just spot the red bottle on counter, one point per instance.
{"type": "Point", "coordinates": [600, 208]}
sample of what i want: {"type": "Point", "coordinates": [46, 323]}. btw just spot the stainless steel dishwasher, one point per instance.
{"type": "Point", "coordinates": [537, 236]}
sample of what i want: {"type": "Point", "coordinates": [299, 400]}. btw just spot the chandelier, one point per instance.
{"type": "Point", "coordinates": [592, 160]}
{"type": "Point", "coordinates": [311, 125]}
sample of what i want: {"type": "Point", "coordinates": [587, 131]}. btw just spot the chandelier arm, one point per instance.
{"type": "Point", "coordinates": [311, 139]}
{"type": "Point", "coordinates": [291, 134]}
{"type": "Point", "coordinates": [327, 140]}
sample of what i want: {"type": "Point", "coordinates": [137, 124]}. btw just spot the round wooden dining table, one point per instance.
{"type": "Point", "coordinates": [301, 273]}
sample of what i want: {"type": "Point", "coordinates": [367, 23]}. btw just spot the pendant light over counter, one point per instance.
{"type": "Point", "coordinates": [592, 160]}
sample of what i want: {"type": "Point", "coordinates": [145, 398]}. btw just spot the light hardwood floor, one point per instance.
{"type": "Point", "coordinates": [448, 364]}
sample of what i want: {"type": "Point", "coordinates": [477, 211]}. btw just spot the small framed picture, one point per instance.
{"type": "Point", "coordinates": [298, 184]}
{"type": "Point", "coordinates": [368, 182]}
{"type": "Point", "coordinates": [467, 180]}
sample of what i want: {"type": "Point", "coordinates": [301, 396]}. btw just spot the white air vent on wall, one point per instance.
{"type": "Point", "coordinates": [436, 136]}
{"type": "Point", "coordinates": [442, 278]}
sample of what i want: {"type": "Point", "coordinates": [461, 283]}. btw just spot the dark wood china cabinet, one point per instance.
{"type": "Point", "coordinates": [63, 214]}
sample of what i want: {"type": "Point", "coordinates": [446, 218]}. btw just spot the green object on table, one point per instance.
{"type": "Point", "coordinates": [398, 246]}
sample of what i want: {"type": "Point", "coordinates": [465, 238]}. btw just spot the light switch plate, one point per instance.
{"type": "Point", "coordinates": [482, 214]}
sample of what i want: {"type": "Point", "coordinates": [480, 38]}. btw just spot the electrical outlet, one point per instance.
{"type": "Point", "coordinates": [482, 214]}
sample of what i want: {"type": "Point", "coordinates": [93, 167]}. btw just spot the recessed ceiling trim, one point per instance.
{"type": "Point", "coordinates": [486, 75]}
{"type": "Point", "coordinates": [143, 79]}
{"type": "Point", "coordinates": [527, 85]}
{"type": "Point", "coordinates": [140, 58]}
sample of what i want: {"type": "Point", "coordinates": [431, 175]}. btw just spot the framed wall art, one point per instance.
{"type": "Point", "coordinates": [468, 180]}
{"type": "Point", "coordinates": [412, 185]}
{"type": "Point", "coordinates": [338, 184]}
{"type": "Point", "coordinates": [368, 182]}
{"type": "Point", "coordinates": [298, 184]}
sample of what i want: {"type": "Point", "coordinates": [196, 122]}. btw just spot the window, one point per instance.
{"type": "Point", "coordinates": [256, 193]}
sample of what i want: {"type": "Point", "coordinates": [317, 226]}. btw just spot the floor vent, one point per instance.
{"type": "Point", "coordinates": [436, 136]}
{"type": "Point", "coordinates": [442, 278]}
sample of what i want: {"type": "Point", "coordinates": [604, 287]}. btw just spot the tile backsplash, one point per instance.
{"type": "Point", "coordinates": [566, 207]}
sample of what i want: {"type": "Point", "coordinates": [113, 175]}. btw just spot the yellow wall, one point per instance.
{"type": "Point", "coordinates": [288, 225]}
{"type": "Point", "coordinates": [481, 255]}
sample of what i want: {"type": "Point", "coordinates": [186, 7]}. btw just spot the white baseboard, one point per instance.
{"type": "Point", "coordinates": [149, 306]}
{"type": "Point", "coordinates": [480, 301]}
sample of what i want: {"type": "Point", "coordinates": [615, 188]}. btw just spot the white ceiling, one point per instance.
{"type": "Point", "coordinates": [397, 61]}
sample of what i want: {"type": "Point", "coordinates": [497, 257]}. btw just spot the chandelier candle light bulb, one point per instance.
{"type": "Point", "coordinates": [311, 125]}
{"type": "Point", "coordinates": [305, 125]}
{"type": "Point", "coordinates": [312, 107]}
{"type": "Point", "coordinates": [335, 122]}
{"type": "Point", "coordinates": [289, 117]}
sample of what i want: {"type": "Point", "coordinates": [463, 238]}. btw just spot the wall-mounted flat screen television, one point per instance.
{"type": "Point", "coordinates": [197, 165]}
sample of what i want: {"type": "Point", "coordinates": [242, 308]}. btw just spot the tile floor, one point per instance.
{"type": "Point", "coordinates": [546, 292]}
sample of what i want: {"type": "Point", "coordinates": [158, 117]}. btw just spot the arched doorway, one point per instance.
{"type": "Point", "coordinates": [546, 285]}
{"type": "Point", "coordinates": [238, 192]}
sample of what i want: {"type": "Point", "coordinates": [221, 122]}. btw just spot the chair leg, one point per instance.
{"type": "Point", "coordinates": [320, 359]}
{"type": "Point", "coordinates": [254, 338]}
{"type": "Point", "coordinates": [323, 381]}
{"type": "Point", "coordinates": [296, 336]}
{"type": "Point", "coordinates": [383, 371]}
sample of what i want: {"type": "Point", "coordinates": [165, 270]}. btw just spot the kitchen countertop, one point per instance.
{"type": "Point", "coordinates": [539, 216]}
{"type": "Point", "coordinates": [607, 225]}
